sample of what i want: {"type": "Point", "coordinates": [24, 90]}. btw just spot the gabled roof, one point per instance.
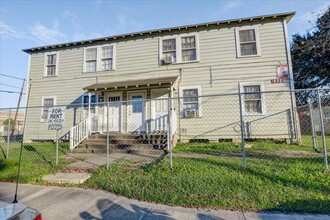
{"type": "Point", "coordinates": [287, 15]}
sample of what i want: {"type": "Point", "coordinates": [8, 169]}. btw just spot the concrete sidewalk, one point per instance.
{"type": "Point", "coordinates": [76, 203]}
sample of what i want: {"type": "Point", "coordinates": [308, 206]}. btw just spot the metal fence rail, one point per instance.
{"type": "Point", "coordinates": [250, 125]}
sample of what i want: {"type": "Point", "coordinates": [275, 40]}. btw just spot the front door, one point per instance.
{"type": "Point", "coordinates": [159, 110]}
{"type": "Point", "coordinates": [136, 112]}
{"type": "Point", "coordinates": [114, 113]}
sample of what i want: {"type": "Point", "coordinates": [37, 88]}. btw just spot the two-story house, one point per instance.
{"type": "Point", "coordinates": [136, 73]}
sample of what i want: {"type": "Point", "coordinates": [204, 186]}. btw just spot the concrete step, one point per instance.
{"type": "Point", "coordinates": [130, 151]}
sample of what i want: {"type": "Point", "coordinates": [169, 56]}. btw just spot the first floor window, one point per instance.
{"type": "Point", "coordinates": [93, 102]}
{"type": "Point", "coordinates": [191, 102]}
{"type": "Point", "coordinates": [326, 113]}
{"type": "Point", "coordinates": [252, 99]}
{"type": "Point", "coordinates": [47, 103]}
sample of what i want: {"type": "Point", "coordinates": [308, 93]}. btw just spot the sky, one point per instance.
{"type": "Point", "coordinates": [31, 23]}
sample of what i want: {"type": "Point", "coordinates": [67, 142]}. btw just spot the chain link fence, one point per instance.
{"type": "Point", "coordinates": [248, 128]}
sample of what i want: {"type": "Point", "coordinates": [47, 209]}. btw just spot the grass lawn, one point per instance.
{"type": "Point", "coordinates": [291, 184]}
{"type": "Point", "coordinates": [37, 159]}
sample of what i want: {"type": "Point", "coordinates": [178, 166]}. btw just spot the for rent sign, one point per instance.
{"type": "Point", "coordinates": [56, 118]}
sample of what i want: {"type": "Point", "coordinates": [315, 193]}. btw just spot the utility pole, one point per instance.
{"type": "Point", "coordinates": [18, 104]}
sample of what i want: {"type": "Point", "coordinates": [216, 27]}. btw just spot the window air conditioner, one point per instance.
{"type": "Point", "coordinates": [168, 60]}
{"type": "Point", "coordinates": [190, 113]}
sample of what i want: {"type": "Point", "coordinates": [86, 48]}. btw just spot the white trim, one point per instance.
{"type": "Point", "coordinates": [263, 101]}
{"type": "Point", "coordinates": [56, 65]}
{"type": "Point", "coordinates": [99, 58]}
{"type": "Point", "coordinates": [145, 107]}
{"type": "Point", "coordinates": [42, 105]}
{"type": "Point", "coordinates": [238, 48]}
{"type": "Point", "coordinates": [178, 50]}
{"type": "Point", "coordinates": [153, 104]}
{"type": "Point", "coordinates": [199, 88]}
{"type": "Point", "coordinates": [106, 100]}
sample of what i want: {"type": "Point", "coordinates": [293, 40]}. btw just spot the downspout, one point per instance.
{"type": "Point", "coordinates": [291, 81]}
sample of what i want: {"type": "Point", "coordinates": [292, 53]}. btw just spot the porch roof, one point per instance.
{"type": "Point", "coordinates": [169, 80]}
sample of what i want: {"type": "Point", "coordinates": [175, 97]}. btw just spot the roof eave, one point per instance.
{"type": "Point", "coordinates": [287, 15]}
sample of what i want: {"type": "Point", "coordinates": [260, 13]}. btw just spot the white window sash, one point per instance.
{"type": "Point", "coordinates": [99, 58]}
{"type": "Point", "coordinates": [238, 43]}
{"type": "Point", "coordinates": [262, 98]}
{"type": "Point", "coordinates": [43, 106]}
{"type": "Point", "coordinates": [48, 66]}
{"type": "Point", "coordinates": [198, 102]}
{"type": "Point", "coordinates": [179, 48]}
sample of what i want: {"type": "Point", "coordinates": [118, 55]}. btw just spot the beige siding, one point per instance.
{"type": "Point", "coordinates": [218, 71]}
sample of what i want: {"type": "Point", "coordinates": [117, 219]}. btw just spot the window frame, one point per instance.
{"type": "Point", "coordinates": [46, 64]}
{"type": "Point", "coordinates": [263, 102]}
{"type": "Point", "coordinates": [93, 104]}
{"type": "Point", "coordinates": [238, 43]}
{"type": "Point", "coordinates": [199, 89]}
{"type": "Point", "coordinates": [99, 58]}
{"type": "Point", "coordinates": [326, 113]}
{"type": "Point", "coordinates": [43, 106]}
{"type": "Point", "coordinates": [179, 49]}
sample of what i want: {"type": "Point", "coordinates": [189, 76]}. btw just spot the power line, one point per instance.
{"type": "Point", "coordinates": [11, 76]}
{"type": "Point", "coordinates": [10, 85]}
{"type": "Point", "coordinates": [7, 91]}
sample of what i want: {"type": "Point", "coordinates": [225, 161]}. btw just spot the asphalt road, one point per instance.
{"type": "Point", "coordinates": [76, 203]}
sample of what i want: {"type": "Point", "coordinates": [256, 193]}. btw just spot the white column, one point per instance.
{"type": "Point", "coordinates": [89, 113]}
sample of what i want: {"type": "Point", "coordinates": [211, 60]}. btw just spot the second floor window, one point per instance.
{"type": "Point", "coordinates": [179, 49]}
{"type": "Point", "coordinates": [99, 58]}
{"type": "Point", "coordinates": [247, 41]}
{"type": "Point", "coordinates": [91, 59]}
{"type": "Point", "coordinates": [51, 64]}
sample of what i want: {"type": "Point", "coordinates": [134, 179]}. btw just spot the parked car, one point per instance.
{"type": "Point", "coordinates": [18, 211]}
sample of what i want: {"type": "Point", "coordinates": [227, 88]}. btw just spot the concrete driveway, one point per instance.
{"type": "Point", "coordinates": [75, 203]}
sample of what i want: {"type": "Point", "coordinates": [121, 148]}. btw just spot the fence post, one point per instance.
{"type": "Point", "coordinates": [322, 129]}
{"type": "Point", "coordinates": [169, 145]}
{"type": "Point", "coordinates": [290, 125]}
{"type": "Point", "coordinates": [312, 126]}
{"type": "Point", "coordinates": [107, 135]}
{"type": "Point", "coordinates": [56, 147]}
{"type": "Point", "coordinates": [242, 125]}
{"type": "Point", "coordinates": [8, 132]}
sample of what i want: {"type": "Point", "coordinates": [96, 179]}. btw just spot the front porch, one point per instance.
{"type": "Point", "coordinates": [130, 107]}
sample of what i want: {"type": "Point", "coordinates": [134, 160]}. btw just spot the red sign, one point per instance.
{"type": "Point", "coordinates": [282, 71]}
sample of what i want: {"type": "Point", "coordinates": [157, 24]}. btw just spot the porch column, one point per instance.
{"type": "Point", "coordinates": [89, 113]}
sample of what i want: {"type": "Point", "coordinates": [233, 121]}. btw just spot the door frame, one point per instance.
{"type": "Point", "coordinates": [106, 97]}
{"type": "Point", "coordinates": [144, 108]}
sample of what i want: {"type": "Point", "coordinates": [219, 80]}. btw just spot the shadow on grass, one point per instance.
{"type": "Point", "coordinates": [32, 149]}
{"type": "Point", "coordinates": [3, 164]}
{"type": "Point", "coordinates": [284, 181]}
{"type": "Point", "coordinates": [3, 152]}
{"type": "Point", "coordinates": [299, 206]}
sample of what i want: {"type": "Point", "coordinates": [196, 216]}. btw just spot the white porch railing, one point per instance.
{"type": "Point", "coordinates": [79, 132]}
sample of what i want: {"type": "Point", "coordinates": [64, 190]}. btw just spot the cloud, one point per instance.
{"type": "Point", "coordinates": [48, 35]}
{"type": "Point", "coordinates": [312, 15]}
{"type": "Point", "coordinates": [12, 31]}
